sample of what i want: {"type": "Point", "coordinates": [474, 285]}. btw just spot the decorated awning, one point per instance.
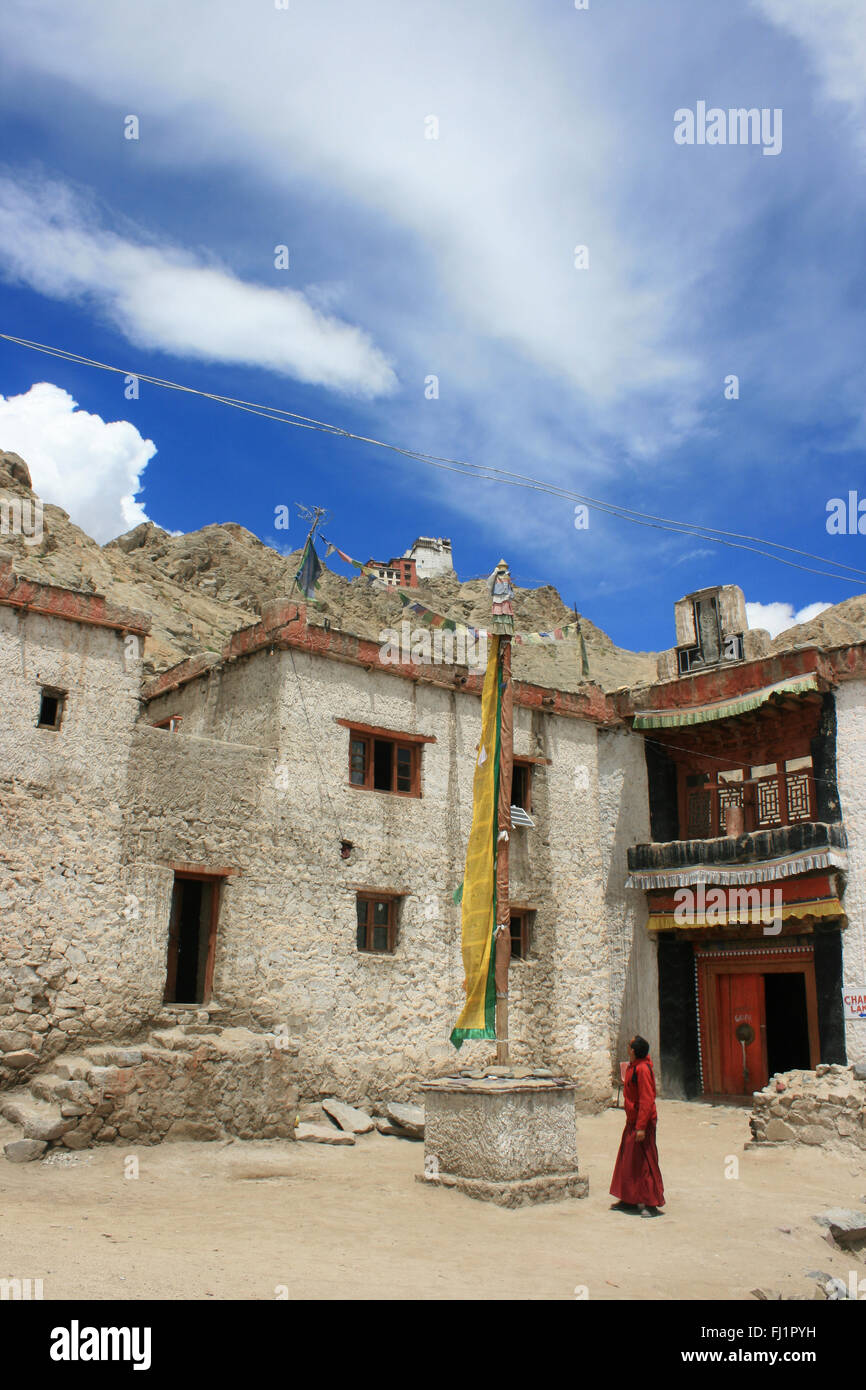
{"type": "Point", "coordinates": [768, 871]}
{"type": "Point", "coordinates": [723, 709]}
{"type": "Point", "coordinates": [801, 899]}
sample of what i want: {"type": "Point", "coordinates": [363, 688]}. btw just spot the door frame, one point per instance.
{"type": "Point", "coordinates": [756, 961]}
{"type": "Point", "coordinates": [171, 958]}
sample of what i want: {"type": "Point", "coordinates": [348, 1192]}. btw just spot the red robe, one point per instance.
{"type": "Point", "coordinates": [637, 1179]}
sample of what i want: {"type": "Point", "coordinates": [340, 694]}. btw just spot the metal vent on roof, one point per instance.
{"type": "Point", "coordinates": [519, 817]}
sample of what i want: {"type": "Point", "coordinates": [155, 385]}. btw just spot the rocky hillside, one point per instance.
{"type": "Point", "coordinates": [200, 588]}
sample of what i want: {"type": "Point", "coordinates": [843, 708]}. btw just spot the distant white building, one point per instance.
{"type": "Point", "coordinates": [432, 557]}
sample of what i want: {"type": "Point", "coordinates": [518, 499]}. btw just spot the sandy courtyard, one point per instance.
{"type": "Point", "coordinates": [268, 1219]}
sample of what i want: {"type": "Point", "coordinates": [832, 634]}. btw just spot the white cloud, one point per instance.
{"type": "Point", "coordinates": [162, 297]}
{"type": "Point", "coordinates": [834, 35]}
{"type": "Point", "coordinates": [778, 617]}
{"type": "Point", "coordinates": [526, 166]}
{"type": "Point", "coordinates": [88, 466]}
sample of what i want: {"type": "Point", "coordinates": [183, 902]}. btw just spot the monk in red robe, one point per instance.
{"type": "Point", "coordinates": [637, 1180]}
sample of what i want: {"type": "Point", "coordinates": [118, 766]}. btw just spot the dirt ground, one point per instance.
{"type": "Point", "coordinates": [274, 1219]}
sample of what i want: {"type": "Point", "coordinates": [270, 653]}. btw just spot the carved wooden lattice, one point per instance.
{"type": "Point", "coordinates": [728, 796]}
{"type": "Point", "coordinates": [799, 796]}
{"type": "Point", "coordinates": [767, 806]}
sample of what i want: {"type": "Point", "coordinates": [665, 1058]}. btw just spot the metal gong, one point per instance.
{"type": "Point", "coordinates": [745, 1033]}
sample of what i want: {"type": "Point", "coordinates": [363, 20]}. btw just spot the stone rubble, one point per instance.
{"type": "Point", "coordinates": [347, 1117]}
{"type": "Point", "coordinates": [321, 1134]}
{"type": "Point", "coordinates": [846, 1228]}
{"type": "Point", "coordinates": [409, 1119]}
{"type": "Point", "coordinates": [826, 1106]}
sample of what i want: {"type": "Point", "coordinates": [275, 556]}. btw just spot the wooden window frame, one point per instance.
{"type": "Point", "coordinates": [750, 794]}
{"type": "Point", "coordinates": [393, 901]}
{"type": "Point", "coordinates": [369, 735]}
{"type": "Point", "coordinates": [526, 916]}
{"type": "Point", "coordinates": [52, 692]}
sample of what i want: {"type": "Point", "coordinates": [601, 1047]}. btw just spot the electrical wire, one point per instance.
{"type": "Point", "coordinates": [478, 472]}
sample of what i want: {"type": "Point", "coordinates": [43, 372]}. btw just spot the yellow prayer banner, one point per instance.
{"type": "Point", "coordinates": [478, 1018]}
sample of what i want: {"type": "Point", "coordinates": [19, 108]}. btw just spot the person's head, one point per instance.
{"type": "Point", "coordinates": [638, 1048]}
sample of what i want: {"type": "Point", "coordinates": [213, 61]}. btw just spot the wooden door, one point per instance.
{"type": "Point", "coordinates": [741, 1033]}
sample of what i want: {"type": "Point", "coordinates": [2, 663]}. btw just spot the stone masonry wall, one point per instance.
{"type": "Point", "coordinates": [624, 820]}
{"type": "Point", "coordinates": [360, 1025]}
{"type": "Point", "coordinates": [68, 965]}
{"type": "Point", "coordinates": [176, 1086]}
{"type": "Point", "coordinates": [851, 779]}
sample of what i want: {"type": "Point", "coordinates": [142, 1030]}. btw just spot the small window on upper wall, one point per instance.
{"type": "Point", "coordinates": [377, 922]}
{"type": "Point", "coordinates": [384, 765]}
{"type": "Point", "coordinates": [522, 920]}
{"type": "Point", "coordinates": [521, 785]}
{"type": "Point", "coordinates": [51, 707]}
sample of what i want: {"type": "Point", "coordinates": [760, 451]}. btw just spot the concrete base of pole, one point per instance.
{"type": "Point", "coordinates": [506, 1140]}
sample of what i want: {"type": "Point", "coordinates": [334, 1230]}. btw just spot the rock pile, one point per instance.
{"type": "Point", "coordinates": [826, 1106]}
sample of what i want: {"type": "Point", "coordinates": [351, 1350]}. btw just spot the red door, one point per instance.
{"type": "Point", "coordinates": [742, 1033]}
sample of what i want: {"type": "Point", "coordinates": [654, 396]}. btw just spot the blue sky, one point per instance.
{"type": "Point", "coordinates": [455, 257]}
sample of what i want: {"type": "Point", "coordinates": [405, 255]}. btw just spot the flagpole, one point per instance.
{"type": "Point", "coordinates": [503, 624]}
{"type": "Point", "coordinates": [503, 902]}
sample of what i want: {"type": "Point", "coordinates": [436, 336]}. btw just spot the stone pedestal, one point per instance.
{"type": "Point", "coordinates": [503, 1139]}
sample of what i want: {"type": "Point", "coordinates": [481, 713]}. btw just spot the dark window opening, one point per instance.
{"type": "Point", "coordinates": [191, 940]}
{"type": "Point", "coordinates": [521, 785]}
{"type": "Point", "coordinates": [51, 708]}
{"type": "Point", "coordinates": [172, 723]}
{"type": "Point", "coordinates": [377, 923]}
{"type": "Point", "coordinates": [384, 765]}
{"type": "Point", "coordinates": [522, 920]}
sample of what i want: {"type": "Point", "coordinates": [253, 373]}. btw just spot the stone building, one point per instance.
{"type": "Point", "coordinates": [271, 838]}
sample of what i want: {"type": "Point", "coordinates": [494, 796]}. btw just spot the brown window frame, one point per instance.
{"type": "Point", "coordinates": [369, 927]}
{"type": "Point", "coordinates": [701, 802]}
{"type": "Point", "coordinates": [369, 736]}
{"type": "Point", "coordinates": [526, 917]}
{"type": "Point", "coordinates": [51, 692]}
